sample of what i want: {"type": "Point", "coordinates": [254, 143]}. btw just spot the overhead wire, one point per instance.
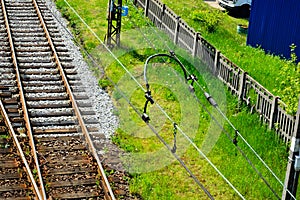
{"type": "Point", "coordinates": [201, 153]}
{"type": "Point", "coordinates": [161, 139]}
{"type": "Point", "coordinates": [121, 63]}
{"type": "Point", "coordinates": [164, 142]}
{"type": "Point", "coordinates": [148, 124]}
{"type": "Point", "coordinates": [190, 140]}
{"type": "Point", "coordinates": [224, 116]}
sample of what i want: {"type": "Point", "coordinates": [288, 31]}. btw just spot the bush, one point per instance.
{"type": "Point", "coordinates": [209, 19]}
{"type": "Point", "coordinates": [290, 87]}
{"type": "Point", "coordinates": [104, 83]}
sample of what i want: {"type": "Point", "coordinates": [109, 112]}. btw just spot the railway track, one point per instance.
{"type": "Point", "coordinates": [16, 178]}
{"type": "Point", "coordinates": [47, 109]}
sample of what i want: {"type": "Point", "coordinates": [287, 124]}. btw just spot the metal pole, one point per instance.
{"type": "Point", "coordinates": [109, 23]}
{"type": "Point", "coordinates": [292, 174]}
{"type": "Point", "coordinates": [114, 16]}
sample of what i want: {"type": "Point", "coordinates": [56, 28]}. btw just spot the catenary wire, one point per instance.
{"type": "Point", "coordinates": [155, 102]}
{"type": "Point", "coordinates": [152, 129]}
{"type": "Point", "coordinates": [140, 86]}
{"type": "Point", "coordinates": [228, 135]}
{"type": "Point", "coordinates": [121, 63]}
{"type": "Point", "coordinates": [221, 112]}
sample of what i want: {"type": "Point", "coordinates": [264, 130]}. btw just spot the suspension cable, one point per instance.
{"type": "Point", "coordinates": [223, 115]}
{"type": "Point", "coordinates": [119, 62]}
{"type": "Point", "coordinates": [154, 131]}
{"type": "Point", "coordinates": [159, 137]}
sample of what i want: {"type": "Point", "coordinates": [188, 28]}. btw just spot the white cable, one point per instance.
{"type": "Point", "coordinates": [201, 153]}
{"type": "Point", "coordinates": [245, 141]}
{"type": "Point", "coordinates": [162, 110]}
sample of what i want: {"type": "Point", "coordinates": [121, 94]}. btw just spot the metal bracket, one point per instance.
{"type": "Point", "coordinates": [149, 98]}
{"type": "Point", "coordinates": [235, 141]}
{"type": "Point", "coordinates": [174, 134]}
{"type": "Point", "coordinates": [193, 78]}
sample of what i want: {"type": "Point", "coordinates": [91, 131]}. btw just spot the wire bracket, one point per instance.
{"type": "Point", "coordinates": [193, 78]}
{"type": "Point", "coordinates": [210, 99]}
{"type": "Point", "coordinates": [149, 98]}
{"type": "Point", "coordinates": [235, 141]}
{"type": "Point", "coordinates": [174, 134]}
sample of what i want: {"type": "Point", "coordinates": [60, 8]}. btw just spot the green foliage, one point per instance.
{"type": "Point", "coordinates": [170, 96]}
{"type": "Point", "coordinates": [132, 20]}
{"type": "Point", "coordinates": [289, 88]}
{"type": "Point", "coordinates": [104, 83]}
{"type": "Point", "coordinates": [129, 146]}
{"type": "Point", "coordinates": [210, 19]}
{"type": "Point", "coordinates": [4, 136]}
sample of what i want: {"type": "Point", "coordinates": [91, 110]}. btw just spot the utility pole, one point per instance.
{"type": "Point", "coordinates": [293, 167]}
{"type": "Point", "coordinates": [114, 23]}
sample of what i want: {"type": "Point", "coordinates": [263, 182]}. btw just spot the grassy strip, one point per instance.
{"type": "Point", "coordinates": [171, 181]}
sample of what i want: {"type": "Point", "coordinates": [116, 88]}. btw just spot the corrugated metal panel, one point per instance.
{"type": "Point", "coordinates": [274, 25]}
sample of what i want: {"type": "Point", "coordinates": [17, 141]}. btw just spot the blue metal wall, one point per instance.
{"type": "Point", "coordinates": [274, 25]}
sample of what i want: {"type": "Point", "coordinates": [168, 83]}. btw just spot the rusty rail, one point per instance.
{"type": "Point", "coordinates": [23, 101]}
{"type": "Point", "coordinates": [20, 151]}
{"type": "Point", "coordinates": [105, 184]}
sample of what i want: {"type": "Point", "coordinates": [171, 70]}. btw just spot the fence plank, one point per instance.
{"type": "Point", "coordinates": [273, 113]}
{"type": "Point", "coordinates": [176, 31]}
{"type": "Point", "coordinates": [163, 8]}
{"type": "Point", "coordinates": [195, 45]}
{"type": "Point", "coordinates": [216, 62]}
{"type": "Point", "coordinates": [146, 8]}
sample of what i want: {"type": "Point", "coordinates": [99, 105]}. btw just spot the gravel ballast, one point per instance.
{"type": "Point", "coordinates": [103, 106]}
{"type": "Point", "coordinates": [99, 99]}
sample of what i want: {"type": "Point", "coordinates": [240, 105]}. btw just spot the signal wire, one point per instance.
{"type": "Point", "coordinates": [223, 115]}
{"type": "Point", "coordinates": [164, 142]}
{"type": "Point", "coordinates": [153, 130]}
{"type": "Point", "coordinates": [144, 90]}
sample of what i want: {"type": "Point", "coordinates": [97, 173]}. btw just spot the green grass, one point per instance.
{"type": "Point", "coordinates": [167, 179]}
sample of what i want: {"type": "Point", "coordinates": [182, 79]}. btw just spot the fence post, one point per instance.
{"type": "Point", "coordinates": [242, 86]}
{"type": "Point", "coordinates": [195, 45]}
{"type": "Point", "coordinates": [273, 113]}
{"type": "Point", "coordinates": [162, 13]}
{"type": "Point", "coordinates": [216, 62]}
{"type": "Point", "coordinates": [146, 7]}
{"type": "Point", "coordinates": [292, 173]}
{"type": "Point", "coordinates": [176, 33]}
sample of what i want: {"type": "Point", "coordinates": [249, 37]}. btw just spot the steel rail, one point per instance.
{"type": "Point", "coordinates": [23, 101]}
{"type": "Point", "coordinates": [109, 195]}
{"type": "Point", "coordinates": [19, 149]}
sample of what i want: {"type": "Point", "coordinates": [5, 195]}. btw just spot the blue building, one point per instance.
{"type": "Point", "coordinates": [274, 25]}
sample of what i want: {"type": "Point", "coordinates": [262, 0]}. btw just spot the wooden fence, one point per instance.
{"type": "Point", "coordinates": [248, 90]}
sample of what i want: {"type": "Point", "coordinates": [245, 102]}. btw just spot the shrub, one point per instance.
{"type": "Point", "coordinates": [290, 87]}
{"type": "Point", "coordinates": [209, 19]}
{"type": "Point", "coordinates": [104, 83]}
